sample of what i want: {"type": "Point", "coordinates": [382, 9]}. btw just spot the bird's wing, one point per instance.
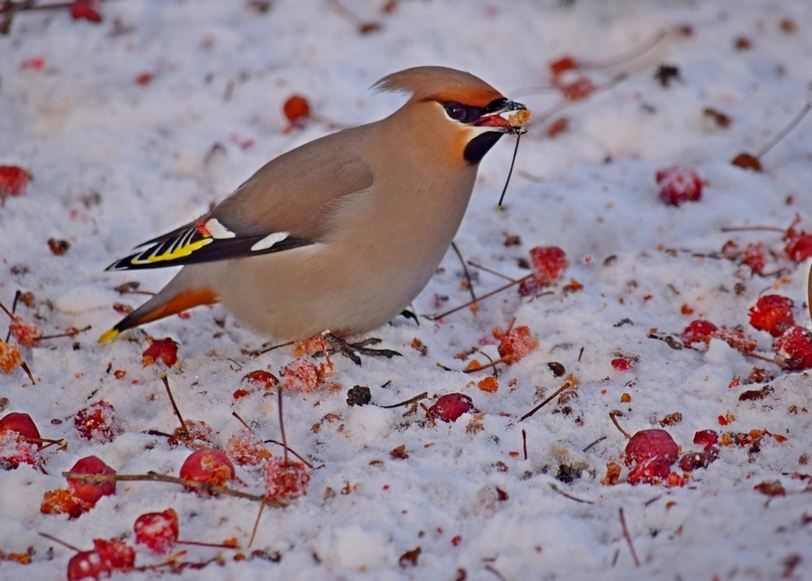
{"type": "Point", "coordinates": [285, 205]}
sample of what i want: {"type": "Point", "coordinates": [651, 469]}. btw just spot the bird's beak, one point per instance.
{"type": "Point", "coordinates": [514, 124]}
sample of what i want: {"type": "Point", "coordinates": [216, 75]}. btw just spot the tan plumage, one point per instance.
{"type": "Point", "coordinates": [343, 232]}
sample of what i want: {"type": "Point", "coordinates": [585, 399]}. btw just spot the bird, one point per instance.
{"type": "Point", "coordinates": [340, 234]}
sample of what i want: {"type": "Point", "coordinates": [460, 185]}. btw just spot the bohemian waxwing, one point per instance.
{"type": "Point", "coordinates": [343, 232]}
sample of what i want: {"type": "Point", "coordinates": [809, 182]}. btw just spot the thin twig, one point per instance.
{"type": "Point", "coordinates": [155, 477]}
{"type": "Point", "coordinates": [613, 415]}
{"type": "Point", "coordinates": [174, 405]}
{"type": "Point", "coordinates": [27, 370]}
{"type": "Point", "coordinates": [465, 272]}
{"type": "Point", "coordinates": [256, 525]}
{"type": "Point", "coordinates": [630, 54]}
{"type": "Point", "coordinates": [751, 229]}
{"type": "Point", "coordinates": [628, 538]}
{"type": "Point", "coordinates": [524, 442]}
{"type": "Point", "coordinates": [258, 352]}
{"type": "Point", "coordinates": [510, 172]}
{"type": "Point", "coordinates": [282, 423]}
{"type": "Point", "coordinates": [491, 271]}
{"type": "Point", "coordinates": [567, 385]}
{"type": "Point", "coordinates": [414, 399]}
{"type": "Point", "coordinates": [567, 495]}
{"type": "Point", "coordinates": [212, 545]}
{"type": "Point", "coordinates": [783, 133]}
{"type": "Point", "coordinates": [60, 541]}
{"type": "Point", "coordinates": [482, 298]}
{"type": "Point", "coordinates": [292, 451]}
{"type": "Point", "coordinates": [601, 439]}
{"type": "Point", "coordinates": [67, 334]}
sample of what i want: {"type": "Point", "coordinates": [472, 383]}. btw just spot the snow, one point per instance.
{"type": "Point", "coordinates": [116, 163]}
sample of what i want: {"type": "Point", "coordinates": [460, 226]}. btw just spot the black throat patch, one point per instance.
{"type": "Point", "coordinates": [480, 145]}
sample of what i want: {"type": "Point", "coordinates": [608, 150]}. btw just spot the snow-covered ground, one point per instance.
{"type": "Point", "coordinates": [116, 161]}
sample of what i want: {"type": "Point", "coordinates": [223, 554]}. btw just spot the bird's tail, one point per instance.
{"type": "Point", "coordinates": [161, 305]}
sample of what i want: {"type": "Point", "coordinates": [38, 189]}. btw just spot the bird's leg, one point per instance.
{"type": "Point", "coordinates": [354, 350]}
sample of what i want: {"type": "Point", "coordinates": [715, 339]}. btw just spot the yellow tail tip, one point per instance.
{"type": "Point", "coordinates": [109, 336]}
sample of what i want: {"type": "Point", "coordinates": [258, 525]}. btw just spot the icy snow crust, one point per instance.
{"type": "Point", "coordinates": [82, 125]}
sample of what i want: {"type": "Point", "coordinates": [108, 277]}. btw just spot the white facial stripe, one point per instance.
{"type": "Point", "coordinates": [217, 230]}
{"type": "Point", "coordinates": [269, 241]}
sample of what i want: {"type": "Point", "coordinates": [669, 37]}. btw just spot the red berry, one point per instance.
{"type": "Point", "coordinates": [562, 65]}
{"type": "Point", "coordinates": [755, 256]}
{"type": "Point", "coordinates": [164, 349]}
{"type": "Point", "coordinates": [89, 492]}
{"type": "Point", "coordinates": [88, 565]}
{"type": "Point", "coordinates": [679, 184]}
{"type": "Point", "coordinates": [157, 530]}
{"type": "Point", "coordinates": [116, 552]}
{"type": "Point", "coordinates": [650, 471]}
{"type": "Point", "coordinates": [740, 341]}
{"type": "Point", "coordinates": [246, 448]}
{"type": "Point", "coordinates": [285, 480]}
{"type": "Point", "coordinates": [296, 108]}
{"type": "Point", "coordinates": [794, 346]}
{"type": "Point", "coordinates": [22, 424]}
{"type": "Point", "coordinates": [143, 78]}
{"type": "Point", "coordinates": [24, 333]}
{"type": "Point", "coordinates": [85, 10]}
{"type": "Point", "coordinates": [706, 438]}
{"type": "Point", "coordinates": [302, 375]}
{"type": "Point", "coordinates": [580, 88]}
{"type": "Point", "coordinates": [549, 263]}
{"type": "Point", "coordinates": [772, 313]}
{"type": "Point", "coordinates": [621, 364]}
{"type": "Point", "coordinates": [697, 332]}
{"type": "Point", "coordinates": [693, 460]}
{"type": "Point", "coordinates": [516, 343]}
{"type": "Point", "coordinates": [261, 378]}
{"type": "Point", "coordinates": [97, 422]}
{"type": "Point", "coordinates": [208, 465]}
{"type": "Point", "coordinates": [799, 245]}
{"type": "Point", "coordinates": [648, 444]}
{"type": "Point", "coordinates": [13, 181]}
{"type": "Point", "coordinates": [451, 406]}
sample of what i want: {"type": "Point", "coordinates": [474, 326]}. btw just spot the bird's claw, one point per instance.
{"type": "Point", "coordinates": [353, 351]}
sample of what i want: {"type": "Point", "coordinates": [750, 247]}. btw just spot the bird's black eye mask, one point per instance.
{"type": "Point", "coordinates": [469, 113]}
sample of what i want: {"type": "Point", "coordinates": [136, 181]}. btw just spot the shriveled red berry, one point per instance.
{"type": "Point", "coordinates": [799, 245]}
{"type": "Point", "coordinates": [157, 530]}
{"type": "Point", "coordinates": [247, 449]}
{"type": "Point", "coordinates": [85, 10]}
{"type": "Point", "coordinates": [97, 422]}
{"type": "Point", "coordinates": [755, 256]}
{"type": "Point", "coordinates": [549, 263]}
{"type": "Point", "coordinates": [261, 378]}
{"type": "Point", "coordinates": [737, 339]}
{"type": "Point", "coordinates": [164, 349]}
{"type": "Point", "coordinates": [516, 343]}
{"type": "Point", "coordinates": [296, 108]}
{"type": "Point", "coordinates": [679, 184]}
{"type": "Point", "coordinates": [10, 357]}
{"type": "Point", "coordinates": [13, 181]}
{"type": "Point", "coordinates": [451, 406]}
{"type": "Point", "coordinates": [61, 501]}
{"type": "Point", "coordinates": [301, 374]}
{"type": "Point", "coordinates": [89, 492]}
{"type": "Point", "coordinates": [706, 438]}
{"type": "Point", "coordinates": [208, 465]}
{"type": "Point", "coordinates": [653, 443]}
{"type": "Point", "coordinates": [285, 480]}
{"type": "Point", "coordinates": [562, 65]}
{"type": "Point", "coordinates": [772, 313]}
{"type": "Point", "coordinates": [24, 333]}
{"type": "Point", "coordinates": [697, 332]}
{"type": "Point", "coordinates": [794, 346]}
{"type": "Point", "coordinates": [580, 88]}
{"type": "Point", "coordinates": [693, 460]}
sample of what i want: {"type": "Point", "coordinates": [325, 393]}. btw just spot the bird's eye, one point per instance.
{"type": "Point", "coordinates": [455, 111]}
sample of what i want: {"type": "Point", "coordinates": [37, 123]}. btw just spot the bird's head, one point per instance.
{"type": "Point", "coordinates": [459, 111]}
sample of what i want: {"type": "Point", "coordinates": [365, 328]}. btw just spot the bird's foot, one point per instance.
{"type": "Point", "coordinates": [353, 351]}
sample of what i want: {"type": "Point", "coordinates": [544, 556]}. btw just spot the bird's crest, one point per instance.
{"type": "Point", "coordinates": [439, 84]}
